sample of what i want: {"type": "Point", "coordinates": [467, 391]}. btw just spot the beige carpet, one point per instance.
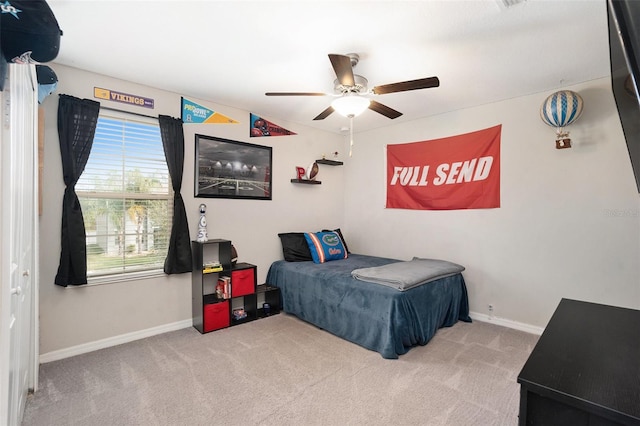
{"type": "Point", "coordinates": [282, 371]}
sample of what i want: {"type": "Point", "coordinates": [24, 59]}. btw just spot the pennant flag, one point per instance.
{"type": "Point", "coordinates": [261, 127]}
{"type": "Point", "coordinates": [192, 113]}
{"type": "Point", "coordinates": [458, 172]}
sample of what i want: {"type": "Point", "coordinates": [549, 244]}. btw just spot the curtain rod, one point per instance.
{"type": "Point", "coordinates": [128, 112]}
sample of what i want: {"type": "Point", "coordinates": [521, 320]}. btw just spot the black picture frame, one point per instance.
{"type": "Point", "coordinates": [226, 168]}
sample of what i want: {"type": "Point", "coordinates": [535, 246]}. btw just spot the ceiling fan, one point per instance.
{"type": "Point", "coordinates": [352, 92]}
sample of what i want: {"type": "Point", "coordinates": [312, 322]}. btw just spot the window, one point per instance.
{"type": "Point", "coordinates": [126, 197]}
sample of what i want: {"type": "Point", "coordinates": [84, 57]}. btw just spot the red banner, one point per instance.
{"type": "Point", "coordinates": [458, 172]}
{"type": "Point", "coordinates": [261, 127]}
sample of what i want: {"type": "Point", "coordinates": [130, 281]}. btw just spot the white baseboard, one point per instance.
{"type": "Point", "coordinates": [141, 334]}
{"type": "Point", "coordinates": [113, 341]}
{"type": "Point", "coordinates": [507, 323]}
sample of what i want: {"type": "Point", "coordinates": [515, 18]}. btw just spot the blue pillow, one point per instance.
{"type": "Point", "coordinates": [325, 246]}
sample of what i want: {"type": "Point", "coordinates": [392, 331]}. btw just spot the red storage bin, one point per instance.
{"type": "Point", "coordinates": [243, 282]}
{"type": "Point", "coordinates": [216, 316]}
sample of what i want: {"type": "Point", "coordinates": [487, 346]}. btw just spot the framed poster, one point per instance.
{"type": "Point", "coordinates": [232, 169]}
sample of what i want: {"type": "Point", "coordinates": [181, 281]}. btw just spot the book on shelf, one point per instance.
{"type": "Point", "coordinates": [209, 267]}
{"type": "Point", "coordinates": [223, 289]}
{"type": "Point", "coordinates": [239, 313]}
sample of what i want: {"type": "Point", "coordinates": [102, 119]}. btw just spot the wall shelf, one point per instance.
{"type": "Point", "coordinates": [306, 181]}
{"type": "Point", "coordinates": [329, 162]}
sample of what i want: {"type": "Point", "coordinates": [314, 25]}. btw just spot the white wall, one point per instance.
{"type": "Point", "coordinates": [75, 316]}
{"type": "Point", "coordinates": [568, 226]}
{"type": "Point", "coordinates": [569, 221]}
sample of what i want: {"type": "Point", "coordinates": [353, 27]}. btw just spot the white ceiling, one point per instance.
{"type": "Point", "coordinates": [232, 52]}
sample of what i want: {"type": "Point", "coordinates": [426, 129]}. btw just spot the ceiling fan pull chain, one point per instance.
{"type": "Point", "coordinates": [351, 135]}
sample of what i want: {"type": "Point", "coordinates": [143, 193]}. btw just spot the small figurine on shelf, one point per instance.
{"type": "Point", "coordinates": [312, 171]}
{"type": "Point", "coordinates": [266, 308]}
{"type": "Point", "coordinates": [202, 225]}
{"type": "Point", "coordinates": [300, 172]}
{"type": "Point", "coordinates": [335, 155]}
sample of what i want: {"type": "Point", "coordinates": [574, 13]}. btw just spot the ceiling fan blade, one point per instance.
{"type": "Point", "coordinates": [324, 114]}
{"type": "Point", "coordinates": [342, 66]}
{"type": "Point", "coordinates": [384, 110]}
{"type": "Point", "coordinates": [421, 83]}
{"type": "Point", "coordinates": [295, 94]}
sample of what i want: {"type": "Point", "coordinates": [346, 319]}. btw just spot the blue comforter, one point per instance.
{"type": "Point", "coordinates": [372, 315]}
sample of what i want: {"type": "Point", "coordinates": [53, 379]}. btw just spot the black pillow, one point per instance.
{"type": "Point", "coordinates": [295, 247]}
{"type": "Point", "coordinates": [341, 237]}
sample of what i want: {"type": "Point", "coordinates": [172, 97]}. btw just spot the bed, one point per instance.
{"type": "Point", "coordinates": [376, 316]}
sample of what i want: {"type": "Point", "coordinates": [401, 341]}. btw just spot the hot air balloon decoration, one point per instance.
{"type": "Point", "coordinates": [559, 110]}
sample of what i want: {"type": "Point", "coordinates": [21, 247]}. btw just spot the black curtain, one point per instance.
{"type": "Point", "coordinates": [77, 120]}
{"type": "Point", "coordinates": [179, 255]}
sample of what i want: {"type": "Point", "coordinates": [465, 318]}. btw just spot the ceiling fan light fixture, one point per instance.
{"type": "Point", "coordinates": [352, 89]}
{"type": "Point", "coordinates": [350, 105]}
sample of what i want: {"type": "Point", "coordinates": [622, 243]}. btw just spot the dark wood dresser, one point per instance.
{"type": "Point", "coordinates": [585, 369]}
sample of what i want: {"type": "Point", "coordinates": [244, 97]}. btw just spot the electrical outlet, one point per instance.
{"type": "Point", "coordinates": [490, 307]}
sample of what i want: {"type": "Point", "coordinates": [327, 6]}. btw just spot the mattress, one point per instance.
{"type": "Point", "coordinates": [374, 316]}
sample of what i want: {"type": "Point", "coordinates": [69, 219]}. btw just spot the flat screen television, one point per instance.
{"type": "Point", "coordinates": [624, 50]}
